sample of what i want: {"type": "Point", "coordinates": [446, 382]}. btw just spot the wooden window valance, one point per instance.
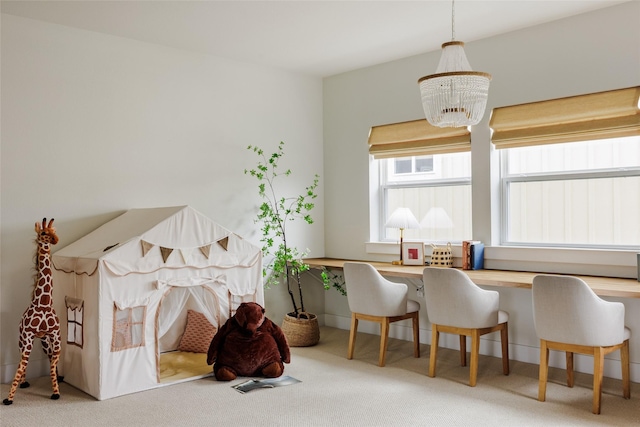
{"type": "Point", "coordinates": [416, 138]}
{"type": "Point", "coordinates": [610, 114]}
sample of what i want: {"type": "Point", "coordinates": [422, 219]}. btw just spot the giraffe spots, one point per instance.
{"type": "Point", "coordinates": [41, 322]}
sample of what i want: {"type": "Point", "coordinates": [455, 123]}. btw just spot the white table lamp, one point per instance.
{"type": "Point", "coordinates": [436, 218]}
{"type": "Point", "coordinates": [402, 218]}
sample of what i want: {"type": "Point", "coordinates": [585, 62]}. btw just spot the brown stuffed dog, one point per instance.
{"type": "Point", "coordinates": [247, 345]}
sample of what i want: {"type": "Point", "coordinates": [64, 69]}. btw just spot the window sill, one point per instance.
{"type": "Point", "coordinates": [601, 262]}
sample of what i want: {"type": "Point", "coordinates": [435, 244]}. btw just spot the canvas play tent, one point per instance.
{"type": "Point", "coordinates": [139, 297]}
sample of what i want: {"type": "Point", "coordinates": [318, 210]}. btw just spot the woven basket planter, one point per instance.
{"type": "Point", "coordinates": [301, 332]}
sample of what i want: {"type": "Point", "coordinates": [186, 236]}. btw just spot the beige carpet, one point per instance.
{"type": "Point", "coordinates": [335, 392]}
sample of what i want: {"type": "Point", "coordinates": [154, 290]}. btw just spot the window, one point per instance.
{"type": "Point", "coordinates": [128, 327]}
{"type": "Point", "coordinates": [428, 170]}
{"type": "Point", "coordinates": [75, 321]}
{"type": "Point", "coordinates": [570, 170]}
{"type": "Point", "coordinates": [573, 194]}
{"type": "Point", "coordinates": [412, 165]}
{"type": "Point", "coordinates": [438, 181]}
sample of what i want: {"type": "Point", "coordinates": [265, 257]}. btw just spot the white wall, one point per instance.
{"type": "Point", "coordinates": [93, 125]}
{"type": "Point", "coordinates": [592, 52]}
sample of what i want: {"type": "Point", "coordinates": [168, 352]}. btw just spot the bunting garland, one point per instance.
{"type": "Point", "coordinates": [165, 253]}
{"type": "Point", "coordinates": [146, 247]}
{"type": "Point", "coordinates": [187, 253]}
{"type": "Point", "coordinates": [206, 250]}
{"type": "Point", "coordinates": [224, 242]}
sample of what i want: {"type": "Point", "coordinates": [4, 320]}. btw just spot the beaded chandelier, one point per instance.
{"type": "Point", "coordinates": [454, 96]}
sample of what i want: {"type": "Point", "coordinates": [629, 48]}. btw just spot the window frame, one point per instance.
{"type": "Point", "coordinates": [130, 324]}
{"type": "Point", "coordinates": [384, 186]}
{"type": "Point", "coordinates": [77, 323]}
{"type": "Point", "coordinates": [507, 179]}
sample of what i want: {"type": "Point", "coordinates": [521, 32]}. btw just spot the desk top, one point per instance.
{"type": "Point", "coordinates": [603, 286]}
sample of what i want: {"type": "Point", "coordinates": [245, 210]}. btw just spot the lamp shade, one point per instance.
{"type": "Point", "coordinates": [402, 218]}
{"type": "Point", "coordinates": [436, 218]}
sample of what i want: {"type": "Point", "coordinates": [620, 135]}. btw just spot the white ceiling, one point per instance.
{"type": "Point", "coordinates": [319, 38]}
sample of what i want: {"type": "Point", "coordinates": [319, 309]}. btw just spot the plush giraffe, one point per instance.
{"type": "Point", "coordinates": [40, 319]}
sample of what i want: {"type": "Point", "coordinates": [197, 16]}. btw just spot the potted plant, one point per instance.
{"type": "Point", "coordinates": [275, 212]}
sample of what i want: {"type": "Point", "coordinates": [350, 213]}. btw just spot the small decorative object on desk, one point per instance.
{"type": "Point", "coordinates": [472, 255]}
{"type": "Point", "coordinates": [477, 256]}
{"type": "Point", "coordinates": [413, 253]}
{"type": "Point", "coordinates": [441, 257]}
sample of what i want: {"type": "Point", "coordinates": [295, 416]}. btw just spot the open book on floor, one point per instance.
{"type": "Point", "coordinates": [247, 386]}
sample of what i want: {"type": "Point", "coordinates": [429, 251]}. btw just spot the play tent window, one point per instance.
{"type": "Point", "coordinates": [75, 321]}
{"type": "Point", "coordinates": [236, 300]}
{"type": "Point", "coordinates": [128, 327]}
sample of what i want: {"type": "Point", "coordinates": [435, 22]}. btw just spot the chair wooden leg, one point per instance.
{"type": "Point", "coordinates": [416, 335]}
{"type": "Point", "coordinates": [570, 378]}
{"type": "Point", "coordinates": [463, 350]}
{"type": "Point", "coordinates": [544, 368]}
{"type": "Point", "coordinates": [598, 367]}
{"type": "Point", "coordinates": [384, 339]}
{"type": "Point", "coordinates": [352, 336]}
{"type": "Point", "coordinates": [624, 361]}
{"type": "Point", "coordinates": [475, 353]}
{"type": "Point", "coordinates": [504, 340]}
{"type": "Point", "coordinates": [433, 355]}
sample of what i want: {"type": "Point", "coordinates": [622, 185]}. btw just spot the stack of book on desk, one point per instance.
{"type": "Point", "coordinates": [472, 255]}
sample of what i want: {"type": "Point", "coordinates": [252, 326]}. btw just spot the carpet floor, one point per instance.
{"type": "Point", "coordinates": [334, 391]}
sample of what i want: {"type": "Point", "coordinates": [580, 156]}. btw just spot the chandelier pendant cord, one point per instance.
{"type": "Point", "coordinates": [453, 20]}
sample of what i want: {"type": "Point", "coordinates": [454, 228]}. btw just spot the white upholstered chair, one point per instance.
{"type": "Point", "coordinates": [570, 317]}
{"type": "Point", "coordinates": [456, 305]}
{"type": "Point", "coordinates": [373, 298]}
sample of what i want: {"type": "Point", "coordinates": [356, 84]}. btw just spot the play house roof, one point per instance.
{"type": "Point", "coordinates": [144, 240]}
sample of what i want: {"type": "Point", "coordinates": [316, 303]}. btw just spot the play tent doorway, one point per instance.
{"type": "Point", "coordinates": [182, 339]}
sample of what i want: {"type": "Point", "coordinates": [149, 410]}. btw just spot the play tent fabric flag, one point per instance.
{"type": "Point", "coordinates": [132, 282]}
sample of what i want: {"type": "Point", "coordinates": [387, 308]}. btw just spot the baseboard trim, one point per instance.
{"type": "Point", "coordinates": [489, 347]}
{"type": "Point", "coordinates": [36, 368]}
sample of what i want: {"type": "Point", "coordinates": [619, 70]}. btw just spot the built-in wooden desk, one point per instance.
{"type": "Point", "coordinates": [603, 286]}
